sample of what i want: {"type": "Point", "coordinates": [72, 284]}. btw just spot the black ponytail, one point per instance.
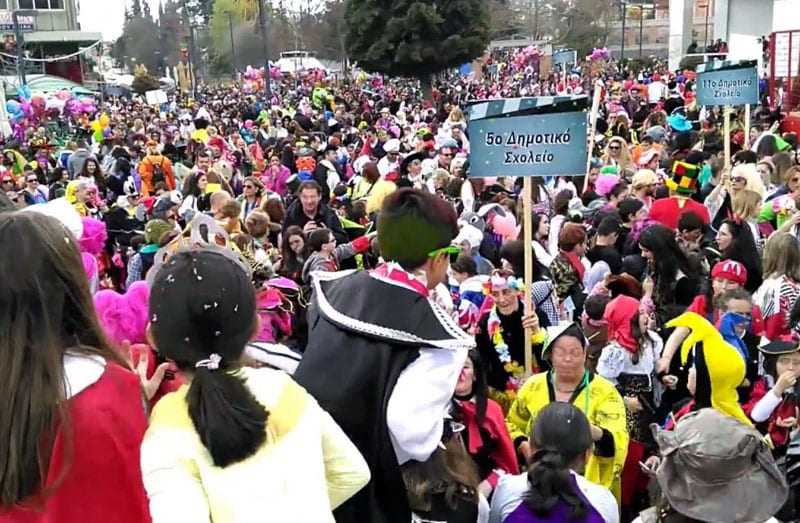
{"type": "Point", "coordinates": [230, 421]}
{"type": "Point", "coordinates": [550, 480]}
{"type": "Point", "coordinates": [562, 436]}
{"type": "Point", "coordinates": [203, 310]}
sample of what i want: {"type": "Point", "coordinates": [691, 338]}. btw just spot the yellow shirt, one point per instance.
{"type": "Point", "coordinates": [305, 469]}
{"type": "Point", "coordinates": [603, 407]}
{"type": "Point", "coordinates": [380, 190]}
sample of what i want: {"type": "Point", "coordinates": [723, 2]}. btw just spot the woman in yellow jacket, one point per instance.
{"type": "Point", "coordinates": [235, 445]}
{"type": "Point", "coordinates": [596, 397]}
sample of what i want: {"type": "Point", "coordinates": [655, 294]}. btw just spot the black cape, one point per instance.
{"type": "Point", "coordinates": [363, 332]}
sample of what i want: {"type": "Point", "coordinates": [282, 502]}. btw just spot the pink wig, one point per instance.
{"type": "Point", "coordinates": [94, 236]}
{"type": "Point", "coordinates": [123, 317]}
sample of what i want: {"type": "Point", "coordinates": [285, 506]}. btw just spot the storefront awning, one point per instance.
{"type": "Point", "coordinates": [40, 37]}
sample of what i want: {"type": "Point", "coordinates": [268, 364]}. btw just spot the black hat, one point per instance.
{"type": "Point", "coordinates": [776, 348]}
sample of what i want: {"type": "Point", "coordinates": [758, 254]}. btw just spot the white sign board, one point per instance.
{"type": "Point", "coordinates": [156, 97]}
{"type": "Point", "coordinates": [782, 54]}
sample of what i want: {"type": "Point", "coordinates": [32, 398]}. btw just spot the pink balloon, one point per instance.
{"type": "Point", "coordinates": [505, 226]}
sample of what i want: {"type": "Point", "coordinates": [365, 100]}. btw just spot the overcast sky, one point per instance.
{"type": "Point", "coordinates": [106, 16]}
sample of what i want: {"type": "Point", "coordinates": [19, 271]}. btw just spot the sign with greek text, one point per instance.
{"type": "Point", "coordinates": [734, 86]}
{"type": "Point", "coordinates": [552, 144]}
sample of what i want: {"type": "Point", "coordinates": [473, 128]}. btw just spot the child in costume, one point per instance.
{"type": "Point", "coordinates": [773, 402]}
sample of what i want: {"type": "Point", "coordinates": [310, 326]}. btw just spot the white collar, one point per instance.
{"type": "Point", "coordinates": [80, 372]}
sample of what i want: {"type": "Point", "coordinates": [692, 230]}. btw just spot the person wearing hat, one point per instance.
{"type": "Point", "coordinates": [715, 469]}
{"type": "Point", "coordinates": [667, 211]}
{"type": "Point", "coordinates": [391, 161]}
{"type": "Point", "coordinates": [382, 358]}
{"type": "Point", "coordinates": [643, 185]}
{"type": "Point", "coordinates": [569, 381]}
{"type": "Point", "coordinates": [773, 400]}
{"type": "Point", "coordinates": [154, 233]}
{"type": "Point", "coordinates": [326, 174]}
{"type": "Point", "coordinates": [501, 337]}
{"type": "Point", "coordinates": [155, 168]}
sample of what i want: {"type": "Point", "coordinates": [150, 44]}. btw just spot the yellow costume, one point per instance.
{"type": "Point", "coordinates": [604, 408]}
{"type": "Point", "coordinates": [71, 195]}
{"type": "Point", "coordinates": [724, 364]}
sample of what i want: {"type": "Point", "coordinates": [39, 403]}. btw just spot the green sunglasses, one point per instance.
{"type": "Point", "coordinates": [452, 251]}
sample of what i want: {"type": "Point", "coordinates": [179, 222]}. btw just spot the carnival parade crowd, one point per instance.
{"type": "Point", "coordinates": [312, 308]}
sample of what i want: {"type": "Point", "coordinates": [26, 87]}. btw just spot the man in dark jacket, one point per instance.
{"type": "Point", "coordinates": [309, 212]}
{"type": "Point", "coordinates": [382, 358]}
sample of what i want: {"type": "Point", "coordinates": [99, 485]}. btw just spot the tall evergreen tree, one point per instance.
{"type": "Point", "coordinates": [136, 8]}
{"type": "Point", "coordinates": [416, 38]}
{"type": "Point", "coordinates": [146, 10]}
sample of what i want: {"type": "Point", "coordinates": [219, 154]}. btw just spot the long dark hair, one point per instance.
{"type": "Point", "coordinates": [743, 250]}
{"type": "Point", "coordinates": [98, 176]}
{"type": "Point", "coordinates": [209, 310]}
{"type": "Point", "coordinates": [289, 262]}
{"type": "Point", "coordinates": [46, 309]}
{"type": "Point", "coordinates": [480, 387]}
{"type": "Point", "coordinates": [668, 258]}
{"type": "Point", "coordinates": [561, 436]}
{"type": "Point", "coordinates": [192, 188]}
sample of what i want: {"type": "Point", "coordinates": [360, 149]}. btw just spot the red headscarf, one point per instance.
{"type": "Point", "coordinates": [618, 315]}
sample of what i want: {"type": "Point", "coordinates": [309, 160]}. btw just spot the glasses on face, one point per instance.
{"type": "Point", "coordinates": [451, 250]}
{"type": "Point", "coordinates": [739, 179]}
{"type": "Point", "coordinates": [32, 180]}
{"type": "Point", "coordinates": [613, 148]}
{"type": "Point", "coordinates": [249, 186]}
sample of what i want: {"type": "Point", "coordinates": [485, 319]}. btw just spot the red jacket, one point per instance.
{"type": "Point", "coordinates": [494, 426]}
{"type": "Point", "coordinates": [99, 471]}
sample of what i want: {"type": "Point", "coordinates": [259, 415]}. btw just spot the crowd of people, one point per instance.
{"type": "Point", "coordinates": [312, 308]}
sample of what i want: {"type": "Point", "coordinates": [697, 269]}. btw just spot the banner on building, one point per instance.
{"type": "Point", "coordinates": [541, 136]}
{"type": "Point", "coordinates": [726, 83]}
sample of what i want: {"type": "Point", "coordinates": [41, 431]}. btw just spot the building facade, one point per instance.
{"type": "Point", "coordinates": [50, 29]}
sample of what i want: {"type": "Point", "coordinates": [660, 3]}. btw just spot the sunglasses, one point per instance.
{"type": "Point", "coordinates": [739, 179]}
{"type": "Point", "coordinates": [248, 186]}
{"type": "Point", "coordinates": [451, 250]}
{"type": "Point", "coordinates": [614, 148]}
{"type": "Point", "coordinates": [32, 180]}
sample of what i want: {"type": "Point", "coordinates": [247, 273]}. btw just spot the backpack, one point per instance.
{"type": "Point", "coordinates": [158, 173]}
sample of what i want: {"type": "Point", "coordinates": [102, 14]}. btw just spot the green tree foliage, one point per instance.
{"type": "Point", "coordinates": [154, 44]}
{"type": "Point", "coordinates": [584, 24]}
{"type": "Point", "coordinates": [415, 38]}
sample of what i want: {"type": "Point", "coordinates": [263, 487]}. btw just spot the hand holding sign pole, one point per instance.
{"type": "Point", "coordinates": [598, 91]}
{"type": "Point", "coordinates": [527, 236]}
{"type": "Point", "coordinates": [542, 136]}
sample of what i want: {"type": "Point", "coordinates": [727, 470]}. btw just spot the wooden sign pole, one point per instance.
{"type": "Point", "coordinates": [527, 238]}
{"type": "Point", "coordinates": [726, 129]}
{"type": "Point", "coordinates": [747, 127]}
{"type": "Point", "coordinates": [598, 91]}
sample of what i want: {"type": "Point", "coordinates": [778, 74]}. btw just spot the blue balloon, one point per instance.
{"type": "Point", "coordinates": [24, 92]}
{"type": "Point", "coordinates": [13, 107]}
